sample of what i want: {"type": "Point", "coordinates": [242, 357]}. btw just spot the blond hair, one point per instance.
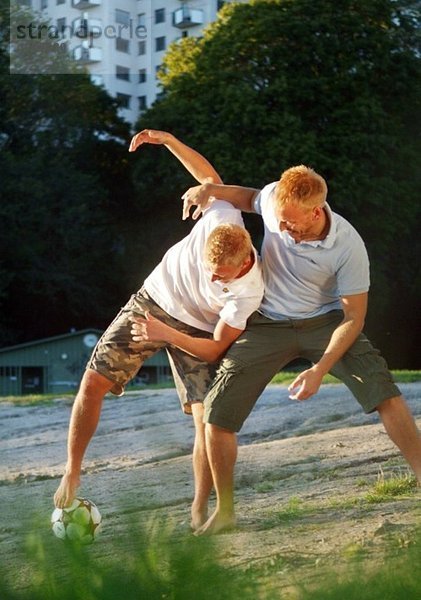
{"type": "Point", "coordinates": [301, 186]}
{"type": "Point", "coordinates": [228, 244]}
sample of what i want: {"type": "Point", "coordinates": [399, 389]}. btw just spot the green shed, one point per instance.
{"type": "Point", "coordinates": [56, 364]}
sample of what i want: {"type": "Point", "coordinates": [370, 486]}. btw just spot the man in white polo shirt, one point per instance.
{"type": "Point", "coordinates": [316, 275]}
{"type": "Point", "coordinates": [204, 289]}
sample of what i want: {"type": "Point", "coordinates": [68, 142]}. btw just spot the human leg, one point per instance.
{"type": "Point", "coordinates": [365, 372]}
{"type": "Point", "coordinates": [203, 482]}
{"type": "Point", "coordinates": [221, 446]}
{"type": "Point", "coordinates": [402, 430]}
{"type": "Point", "coordinates": [83, 423]}
{"type": "Point", "coordinates": [115, 360]}
{"type": "Point", "coordinates": [264, 348]}
{"type": "Point", "coordinates": [192, 378]}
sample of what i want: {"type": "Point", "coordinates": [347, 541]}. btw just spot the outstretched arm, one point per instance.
{"type": "Point", "coordinates": [195, 163]}
{"type": "Point", "coordinates": [209, 350]}
{"type": "Point", "coordinates": [202, 195]}
{"type": "Point", "coordinates": [308, 382]}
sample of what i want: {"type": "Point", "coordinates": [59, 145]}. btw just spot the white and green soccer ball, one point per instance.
{"type": "Point", "coordinates": [81, 521]}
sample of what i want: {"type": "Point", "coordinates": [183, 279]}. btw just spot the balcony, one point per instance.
{"type": "Point", "coordinates": [187, 17]}
{"type": "Point", "coordinates": [84, 4]}
{"type": "Point", "coordinates": [87, 55]}
{"type": "Point", "coordinates": [87, 28]}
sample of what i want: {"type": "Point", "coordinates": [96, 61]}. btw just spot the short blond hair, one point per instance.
{"type": "Point", "coordinates": [302, 186]}
{"type": "Point", "coordinates": [228, 244]}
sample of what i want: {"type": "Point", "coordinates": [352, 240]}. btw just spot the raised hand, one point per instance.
{"type": "Point", "coordinates": [199, 196]}
{"type": "Point", "coordinates": [148, 136]}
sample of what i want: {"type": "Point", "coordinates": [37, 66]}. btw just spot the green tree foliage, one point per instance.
{"type": "Point", "coordinates": [334, 84]}
{"type": "Point", "coordinates": [64, 185]}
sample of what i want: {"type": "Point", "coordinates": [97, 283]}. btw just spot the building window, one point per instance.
{"type": "Point", "coordinates": [122, 45]}
{"type": "Point", "coordinates": [123, 100]}
{"type": "Point", "coordinates": [160, 15]}
{"type": "Point", "coordinates": [158, 68]}
{"type": "Point", "coordinates": [141, 20]}
{"type": "Point", "coordinates": [143, 104]}
{"type": "Point", "coordinates": [122, 73]}
{"type": "Point", "coordinates": [160, 43]}
{"type": "Point", "coordinates": [184, 34]}
{"type": "Point", "coordinates": [122, 17]}
{"type": "Point", "coordinates": [142, 75]}
{"type": "Point", "coordinates": [141, 48]}
{"type": "Point", "coordinates": [60, 2]}
{"type": "Point", "coordinates": [8, 372]}
{"type": "Point", "coordinates": [44, 4]}
{"type": "Point", "coordinates": [61, 25]}
{"type": "Point", "coordinates": [220, 4]}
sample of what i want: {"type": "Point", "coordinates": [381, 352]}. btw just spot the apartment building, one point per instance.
{"type": "Point", "coordinates": [122, 42]}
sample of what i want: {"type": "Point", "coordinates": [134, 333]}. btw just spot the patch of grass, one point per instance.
{"type": "Point", "coordinates": [405, 376]}
{"type": "Point", "coordinates": [400, 376]}
{"type": "Point", "coordinates": [287, 377]}
{"type": "Point", "coordinates": [35, 399]}
{"type": "Point", "coordinates": [294, 509]}
{"type": "Point", "coordinates": [159, 564]}
{"type": "Point", "coordinates": [282, 378]}
{"type": "Point", "coordinates": [346, 503]}
{"type": "Point", "coordinates": [385, 489]}
{"type": "Point", "coordinates": [354, 550]}
{"type": "Point", "coordinates": [397, 579]}
{"type": "Point", "coordinates": [264, 487]}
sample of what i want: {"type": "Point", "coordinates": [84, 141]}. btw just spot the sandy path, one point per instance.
{"type": "Point", "coordinates": [323, 454]}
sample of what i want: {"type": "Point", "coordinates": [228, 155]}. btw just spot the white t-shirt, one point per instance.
{"type": "Point", "coordinates": [308, 279]}
{"type": "Point", "coordinates": [182, 286]}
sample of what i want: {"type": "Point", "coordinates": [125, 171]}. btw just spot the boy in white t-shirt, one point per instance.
{"type": "Point", "coordinates": [195, 303]}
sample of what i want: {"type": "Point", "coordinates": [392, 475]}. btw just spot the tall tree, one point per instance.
{"type": "Point", "coordinates": [334, 84]}
{"type": "Point", "coordinates": [65, 184]}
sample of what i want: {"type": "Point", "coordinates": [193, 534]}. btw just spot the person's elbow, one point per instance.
{"type": "Point", "coordinates": [214, 356]}
{"type": "Point", "coordinates": [216, 353]}
{"type": "Point", "coordinates": [213, 178]}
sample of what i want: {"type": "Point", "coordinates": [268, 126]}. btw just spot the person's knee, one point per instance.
{"type": "Point", "coordinates": [94, 385]}
{"type": "Point", "coordinates": [397, 403]}
{"type": "Point", "coordinates": [215, 431]}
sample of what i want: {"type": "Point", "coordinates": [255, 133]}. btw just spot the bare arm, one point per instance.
{"type": "Point", "coordinates": [195, 163]}
{"type": "Point", "coordinates": [202, 195]}
{"type": "Point", "coordinates": [309, 381]}
{"type": "Point", "coordinates": [209, 350]}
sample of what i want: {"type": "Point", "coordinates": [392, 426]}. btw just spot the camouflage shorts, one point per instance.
{"type": "Point", "coordinates": [118, 358]}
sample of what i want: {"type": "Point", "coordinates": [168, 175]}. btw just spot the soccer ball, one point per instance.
{"type": "Point", "coordinates": [81, 521]}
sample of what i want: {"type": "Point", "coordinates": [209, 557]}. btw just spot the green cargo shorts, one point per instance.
{"type": "Point", "coordinates": [266, 346]}
{"type": "Point", "coordinates": [118, 358]}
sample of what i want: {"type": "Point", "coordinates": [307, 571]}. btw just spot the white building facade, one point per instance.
{"type": "Point", "coordinates": [122, 42]}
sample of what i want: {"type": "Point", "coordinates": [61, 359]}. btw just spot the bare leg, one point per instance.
{"type": "Point", "coordinates": [203, 482]}
{"type": "Point", "coordinates": [221, 446]}
{"type": "Point", "coordinates": [402, 430]}
{"type": "Point", "coordinates": [83, 423]}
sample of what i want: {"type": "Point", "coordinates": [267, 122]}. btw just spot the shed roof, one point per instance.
{"type": "Point", "coordinates": [54, 338]}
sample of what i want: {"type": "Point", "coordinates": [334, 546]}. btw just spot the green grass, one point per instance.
{"type": "Point", "coordinates": [157, 563]}
{"type": "Point", "coordinates": [161, 564]}
{"type": "Point", "coordinates": [397, 579]}
{"type": "Point", "coordinates": [283, 378]}
{"type": "Point", "coordinates": [400, 376]}
{"type": "Point", "coordinates": [385, 489]}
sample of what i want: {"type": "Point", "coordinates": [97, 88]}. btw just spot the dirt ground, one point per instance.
{"type": "Point", "coordinates": [303, 475]}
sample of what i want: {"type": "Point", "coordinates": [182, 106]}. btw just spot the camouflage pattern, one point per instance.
{"type": "Point", "coordinates": [118, 358]}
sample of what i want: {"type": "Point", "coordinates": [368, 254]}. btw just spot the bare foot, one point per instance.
{"type": "Point", "coordinates": [198, 517]}
{"type": "Point", "coordinates": [66, 491]}
{"type": "Point", "coordinates": [217, 523]}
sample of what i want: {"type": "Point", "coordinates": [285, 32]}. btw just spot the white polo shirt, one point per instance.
{"type": "Point", "coordinates": [308, 279]}
{"type": "Point", "coordinates": [182, 286]}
